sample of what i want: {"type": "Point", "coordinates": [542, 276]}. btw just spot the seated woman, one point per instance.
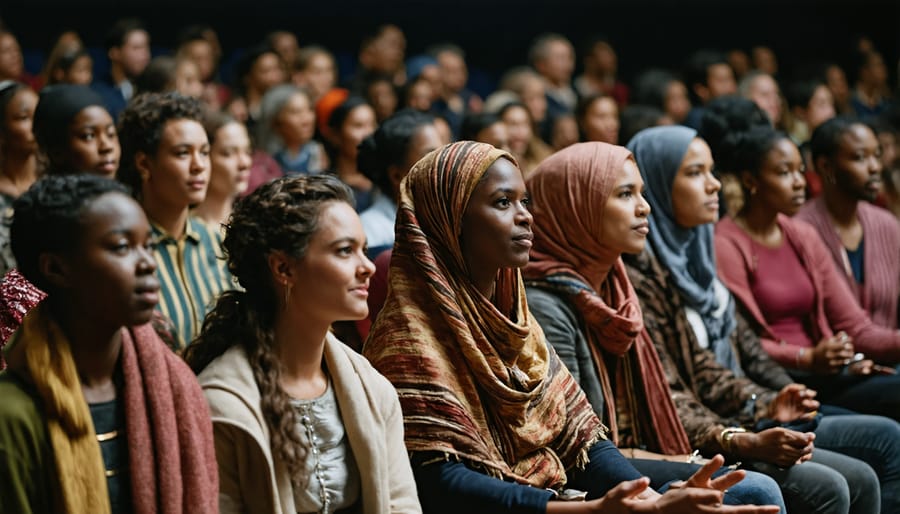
{"type": "Point", "coordinates": [230, 158]}
{"type": "Point", "coordinates": [493, 420]}
{"type": "Point", "coordinates": [588, 209]}
{"type": "Point", "coordinates": [302, 423]}
{"type": "Point", "coordinates": [864, 240]}
{"type": "Point", "coordinates": [75, 134]}
{"type": "Point", "coordinates": [385, 158]}
{"type": "Point", "coordinates": [287, 124]}
{"type": "Point", "coordinates": [783, 277]}
{"type": "Point", "coordinates": [706, 349]}
{"type": "Point", "coordinates": [97, 414]}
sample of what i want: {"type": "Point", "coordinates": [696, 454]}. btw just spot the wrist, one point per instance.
{"type": "Point", "coordinates": [729, 440]}
{"type": "Point", "coordinates": [801, 358]}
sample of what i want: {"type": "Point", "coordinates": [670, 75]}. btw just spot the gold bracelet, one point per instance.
{"type": "Point", "coordinates": [726, 436]}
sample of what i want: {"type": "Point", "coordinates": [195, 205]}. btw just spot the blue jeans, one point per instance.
{"type": "Point", "coordinates": [878, 395]}
{"type": "Point", "coordinates": [874, 440]}
{"type": "Point", "coordinates": [754, 489]}
{"type": "Point", "coordinates": [830, 483]}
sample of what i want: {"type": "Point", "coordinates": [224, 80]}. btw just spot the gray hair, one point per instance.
{"type": "Point", "coordinates": [271, 105]}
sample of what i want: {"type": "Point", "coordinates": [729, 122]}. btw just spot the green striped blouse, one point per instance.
{"type": "Point", "coordinates": [192, 273]}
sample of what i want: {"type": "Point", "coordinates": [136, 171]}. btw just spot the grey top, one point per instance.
{"type": "Point", "coordinates": [329, 464]}
{"type": "Point", "coordinates": [562, 327]}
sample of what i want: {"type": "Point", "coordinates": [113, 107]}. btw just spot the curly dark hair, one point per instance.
{"type": "Point", "coordinates": [47, 218]}
{"type": "Point", "coordinates": [141, 126]}
{"type": "Point", "coordinates": [248, 317]}
{"type": "Point", "coordinates": [389, 145]}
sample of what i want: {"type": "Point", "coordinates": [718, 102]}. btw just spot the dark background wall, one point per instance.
{"type": "Point", "coordinates": [496, 34]}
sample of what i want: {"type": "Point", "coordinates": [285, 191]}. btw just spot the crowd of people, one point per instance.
{"type": "Point", "coordinates": [389, 294]}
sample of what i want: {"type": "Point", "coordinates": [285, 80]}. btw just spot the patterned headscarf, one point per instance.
{"type": "Point", "coordinates": [476, 379]}
{"type": "Point", "coordinates": [688, 253]}
{"type": "Point", "coordinates": [569, 192]}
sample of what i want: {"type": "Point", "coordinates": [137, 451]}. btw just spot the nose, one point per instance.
{"type": "Point", "coordinates": [244, 161]}
{"type": "Point", "coordinates": [199, 162]}
{"type": "Point", "coordinates": [366, 266]}
{"type": "Point", "coordinates": [643, 207]}
{"type": "Point", "coordinates": [799, 181]}
{"type": "Point", "coordinates": [146, 262]}
{"type": "Point", "coordinates": [106, 143]}
{"type": "Point", "coordinates": [874, 164]}
{"type": "Point", "coordinates": [712, 183]}
{"type": "Point", "coordinates": [523, 215]}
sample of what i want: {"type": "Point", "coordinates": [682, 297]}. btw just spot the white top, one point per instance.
{"type": "Point", "coordinates": [378, 221]}
{"type": "Point", "coordinates": [696, 322]}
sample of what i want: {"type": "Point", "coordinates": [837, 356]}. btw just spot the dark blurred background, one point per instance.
{"type": "Point", "coordinates": [495, 34]}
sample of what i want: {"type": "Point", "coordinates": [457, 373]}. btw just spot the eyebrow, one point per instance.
{"type": "Point", "coordinates": [340, 240]}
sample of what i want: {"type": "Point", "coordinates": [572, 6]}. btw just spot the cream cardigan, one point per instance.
{"type": "Point", "coordinates": [252, 479]}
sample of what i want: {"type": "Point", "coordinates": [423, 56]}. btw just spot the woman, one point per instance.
{"type": "Point", "coordinates": [524, 144]}
{"type": "Point", "coordinates": [348, 124]}
{"type": "Point", "coordinates": [385, 158]}
{"type": "Point", "coordinates": [864, 240]}
{"type": "Point", "coordinates": [710, 354]}
{"type": "Point", "coordinates": [97, 414]}
{"type": "Point", "coordinates": [18, 156]}
{"type": "Point", "coordinates": [493, 420]}
{"type": "Point", "coordinates": [588, 209]}
{"type": "Point", "coordinates": [782, 275]}
{"type": "Point", "coordinates": [287, 124]}
{"type": "Point", "coordinates": [302, 423]}
{"type": "Point", "coordinates": [230, 157]}
{"type": "Point", "coordinates": [75, 135]}
{"type": "Point", "coordinates": [75, 132]}
{"type": "Point", "coordinates": [598, 119]}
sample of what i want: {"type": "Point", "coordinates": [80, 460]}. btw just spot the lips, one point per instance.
{"type": "Point", "coordinates": [526, 239]}
{"type": "Point", "coordinates": [642, 228]}
{"type": "Point", "coordinates": [362, 290]}
{"type": "Point", "coordinates": [148, 292]}
{"type": "Point", "coordinates": [196, 184]}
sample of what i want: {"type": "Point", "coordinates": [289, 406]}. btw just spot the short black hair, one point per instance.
{"type": "Point", "coordinates": [120, 30]}
{"type": "Point", "coordinates": [389, 145]}
{"type": "Point", "coordinates": [47, 218]}
{"type": "Point", "coordinates": [826, 139]}
{"type": "Point", "coordinates": [141, 125]}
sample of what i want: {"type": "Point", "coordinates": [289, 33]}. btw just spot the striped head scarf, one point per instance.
{"type": "Point", "coordinates": [476, 379]}
{"type": "Point", "coordinates": [569, 192]}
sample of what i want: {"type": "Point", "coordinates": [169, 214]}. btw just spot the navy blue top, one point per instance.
{"type": "Point", "coordinates": [856, 262]}
{"type": "Point", "coordinates": [449, 486]}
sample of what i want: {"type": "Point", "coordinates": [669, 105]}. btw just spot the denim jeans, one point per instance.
{"type": "Point", "coordinates": [830, 483]}
{"type": "Point", "coordinates": [874, 440]}
{"type": "Point", "coordinates": [878, 395]}
{"type": "Point", "coordinates": [754, 489]}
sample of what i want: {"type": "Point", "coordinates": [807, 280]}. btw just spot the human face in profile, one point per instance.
{"type": "Point", "coordinates": [496, 229]}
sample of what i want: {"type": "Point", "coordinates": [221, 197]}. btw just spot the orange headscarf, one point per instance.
{"type": "Point", "coordinates": [569, 192]}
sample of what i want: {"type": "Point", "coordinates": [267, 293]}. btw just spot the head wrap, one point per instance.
{"type": "Point", "coordinates": [569, 192]}
{"type": "Point", "coordinates": [688, 253]}
{"type": "Point", "coordinates": [476, 378]}
{"type": "Point", "coordinates": [57, 107]}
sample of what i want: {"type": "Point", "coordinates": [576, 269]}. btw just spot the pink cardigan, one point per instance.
{"type": "Point", "coordinates": [881, 257]}
{"type": "Point", "coordinates": [835, 308]}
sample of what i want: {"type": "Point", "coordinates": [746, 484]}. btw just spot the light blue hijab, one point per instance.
{"type": "Point", "coordinates": [688, 253]}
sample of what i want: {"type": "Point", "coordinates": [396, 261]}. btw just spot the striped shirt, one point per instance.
{"type": "Point", "coordinates": [192, 273]}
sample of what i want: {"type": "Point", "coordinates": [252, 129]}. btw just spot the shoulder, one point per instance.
{"type": "Point", "coordinates": [21, 415]}
{"type": "Point", "coordinates": [880, 219]}
{"type": "Point", "coordinates": [348, 362]}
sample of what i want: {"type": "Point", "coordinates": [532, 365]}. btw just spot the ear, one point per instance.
{"type": "Point", "coordinates": [395, 175]}
{"type": "Point", "coordinates": [114, 53]}
{"type": "Point", "coordinates": [55, 269]}
{"type": "Point", "coordinates": [701, 91]}
{"type": "Point", "coordinates": [822, 166]}
{"type": "Point", "coordinates": [142, 164]}
{"type": "Point", "coordinates": [748, 181]}
{"type": "Point", "coordinates": [280, 267]}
